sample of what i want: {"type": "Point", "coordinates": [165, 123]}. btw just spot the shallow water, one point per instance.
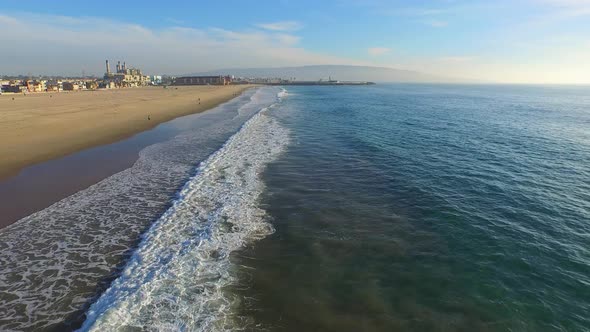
{"type": "Point", "coordinates": [55, 262]}
{"type": "Point", "coordinates": [176, 278]}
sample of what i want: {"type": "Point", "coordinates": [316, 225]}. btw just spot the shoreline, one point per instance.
{"type": "Point", "coordinates": [42, 127]}
{"type": "Point", "coordinates": [37, 186]}
{"type": "Point", "coordinates": [87, 238]}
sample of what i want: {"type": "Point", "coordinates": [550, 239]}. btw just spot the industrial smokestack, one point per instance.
{"type": "Point", "coordinates": [124, 66]}
{"type": "Point", "coordinates": [108, 69]}
{"type": "Point", "coordinates": [118, 66]}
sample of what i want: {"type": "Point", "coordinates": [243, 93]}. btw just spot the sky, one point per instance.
{"type": "Point", "coordinates": [511, 41]}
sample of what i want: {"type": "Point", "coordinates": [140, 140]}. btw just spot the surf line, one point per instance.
{"type": "Point", "coordinates": [175, 278]}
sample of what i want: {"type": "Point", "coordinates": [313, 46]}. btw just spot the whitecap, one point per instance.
{"type": "Point", "coordinates": [176, 278]}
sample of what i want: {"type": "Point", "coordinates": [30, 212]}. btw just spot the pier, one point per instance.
{"type": "Point", "coordinates": [319, 83]}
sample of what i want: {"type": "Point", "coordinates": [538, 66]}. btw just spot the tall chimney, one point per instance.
{"type": "Point", "coordinates": [108, 69]}
{"type": "Point", "coordinates": [124, 67]}
{"type": "Point", "coordinates": [118, 66]}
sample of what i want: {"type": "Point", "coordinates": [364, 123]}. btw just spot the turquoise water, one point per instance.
{"type": "Point", "coordinates": [426, 208]}
{"type": "Point", "coordinates": [368, 208]}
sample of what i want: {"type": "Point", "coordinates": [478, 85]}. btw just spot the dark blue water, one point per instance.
{"type": "Point", "coordinates": [426, 208]}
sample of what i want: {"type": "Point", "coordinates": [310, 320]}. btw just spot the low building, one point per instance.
{"type": "Point", "coordinates": [10, 88]}
{"type": "Point", "coordinates": [55, 85]}
{"type": "Point", "coordinates": [36, 86]}
{"type": "Point", "coordinates": [52, 87]}
{"type": "Point", "coordinates": [203, 80]}
{"type": "Point", "coordinates": [91, 85]}
{"type": "Point", "coordinates": [107, 85]}
{"type": "Point", "coordinates": [14, 88]}
{"type": "Point", "coordinates": [69, 86]}
{"type": "Point", "coordinates": [156, 79]}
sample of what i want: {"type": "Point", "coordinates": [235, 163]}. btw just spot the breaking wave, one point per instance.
{"type": "Point", "coordinates": [55, 262]}
{"type": "Point", "coordinates": [175, 280]}
{"type": "Point", "coordinates": [282, 94]}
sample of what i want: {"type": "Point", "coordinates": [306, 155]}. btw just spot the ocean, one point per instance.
{"type": "Point", "coordinates": [393, 207]}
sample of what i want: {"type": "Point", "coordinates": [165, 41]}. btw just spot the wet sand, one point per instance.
{"type": "Point", "coordinates": [30, 188]}
{"type": "Point", "coordinates": [41, 127]}
{"type": "Point", "coordinates": [38, 186]}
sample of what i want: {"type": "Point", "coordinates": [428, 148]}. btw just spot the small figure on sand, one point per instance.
{"type": "Point", "coordinates": [199, 101]}
{"type": "Point", "coordinates": [149, 118]}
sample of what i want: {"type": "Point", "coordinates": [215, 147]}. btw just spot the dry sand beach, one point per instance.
{"type": "Point", "coordinates": [39, 127]}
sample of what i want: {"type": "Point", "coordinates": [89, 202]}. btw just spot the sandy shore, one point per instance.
{"type": "Point", "coordinates": [40, 127]}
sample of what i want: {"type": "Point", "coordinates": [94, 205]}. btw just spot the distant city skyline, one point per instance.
{"type": "Point", "coordinates": [522, 41]}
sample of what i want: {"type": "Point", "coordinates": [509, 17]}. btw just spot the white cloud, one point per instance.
{"type": "Point", "coordinates": [287, 39]}
{"type": "Point", "coordinates": [281, 26]}
{"type": "Point", "coordinates": [7, 20]}
{"type": "Point", "coordinates": [44, 44]}
{"type": "Point", "coordinates": [378, 51]}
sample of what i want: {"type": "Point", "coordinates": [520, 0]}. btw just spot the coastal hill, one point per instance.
{"type": "Point", "coordinates": [337, 72]}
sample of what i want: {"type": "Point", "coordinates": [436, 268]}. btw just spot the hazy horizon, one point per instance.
{"type": "Point", "coordinates": [526, 41]}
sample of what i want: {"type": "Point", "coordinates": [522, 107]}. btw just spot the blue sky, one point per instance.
{"type": "Point", "coordinates": [539, 41]}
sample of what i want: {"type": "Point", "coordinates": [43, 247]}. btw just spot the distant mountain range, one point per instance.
{"type": "Point", "coordinates": [336, 72]}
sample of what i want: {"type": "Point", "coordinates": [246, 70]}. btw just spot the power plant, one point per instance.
{"type": "Point", "coordinates": [124, 77]}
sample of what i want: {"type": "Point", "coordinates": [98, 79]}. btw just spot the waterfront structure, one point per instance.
{"type": "Point", "coordinates": [48, 85]}
{"type": "Point", "coordinates": [156, 79]}
{"type": "Point", "coordinates": [203, 80]}
{"type": "Point", "coordinates": [70, 86]}
{"type": "Point", "coordinates": [124, 77]}
{"type": "Point", "coordinates": [91, 85]}
{"type": "Point", "coordinates": [53, 87]}
{"type": "Point", "coordinates": [14, 88]}
{"type": "Point", "coordinates": [36, 86]}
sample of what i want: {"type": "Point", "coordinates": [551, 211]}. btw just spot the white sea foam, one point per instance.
{"type": "Point", "coordinates": [74, 247]}
{"type": "Point", "coordinates": [176, 278]}
{"type": "Point", "coordinates": [283, 93]}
